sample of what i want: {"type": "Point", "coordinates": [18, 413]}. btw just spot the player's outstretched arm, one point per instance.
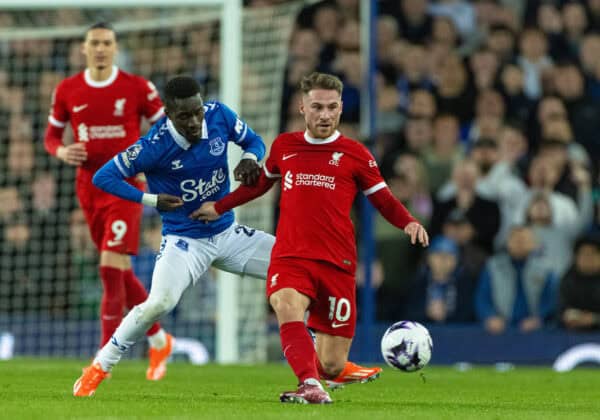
{"type": "Point", "coordinates": [211, 211]}
{"type": "Point", "coordinates": [111, 180]}
{"type": "Point", "coordinates": [395, 213]}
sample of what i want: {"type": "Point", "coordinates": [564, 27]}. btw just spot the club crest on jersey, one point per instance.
{"type": "Point", "coordinates": [119, 107]}
{"type": "Point", "coordinates": [133, 151]}
{"type": "Point", "coordinates": [335, 158]}
{"type": "Point", "coordinates": [217, 147]}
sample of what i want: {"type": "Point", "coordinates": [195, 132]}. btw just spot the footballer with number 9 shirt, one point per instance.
{"type": "Point", "coordinates": [313, 261]}
{"type": "Point", "coordinates": [104, 106]}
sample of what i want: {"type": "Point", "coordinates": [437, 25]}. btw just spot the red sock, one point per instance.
{"type": "Point", "coordinates": [135, 293]}
{"type": "Point", "coordinates": [299, 350]}
{"type": "Point", "coordinates": [113, 301]}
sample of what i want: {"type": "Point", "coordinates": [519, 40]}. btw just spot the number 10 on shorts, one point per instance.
{"type": "Point", "coordinates": [339, 311]}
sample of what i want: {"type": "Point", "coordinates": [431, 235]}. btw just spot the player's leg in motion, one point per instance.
{"type": "Point", "coordinates": [289, 306]}
{"type": "Point", "coordinates": [332, 351]}
{"type": "Point", "coordinates": [161, 343]}
{"type": "Point", "coordinates": [117, 233]}
{"type": "Point", "coordinates": [170, 279]}
{"type": "Point", "coordinates": [256, 265]}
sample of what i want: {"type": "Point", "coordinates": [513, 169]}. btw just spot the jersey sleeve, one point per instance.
{"type": "Point", "coordinates": [271, 167]}
{"type": "Point", "coordinates": [57, 120]}
{"type": "Point", "coordinates": [242, 134]}
{"type": "Point", "coordinates": [152, 106]}
{"type": "Point", "coordinates": [59, 112]}
{"type": "Point", "coordinates": [141, 156]}
{"type": "Point", "coordinates": [367, 173]}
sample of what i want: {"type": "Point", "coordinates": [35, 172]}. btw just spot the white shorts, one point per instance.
{"type": "Point", "coordinates": [239, 249]}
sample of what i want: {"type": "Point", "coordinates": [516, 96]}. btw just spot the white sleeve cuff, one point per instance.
{"type": "Point", "coordinates": [150, 200]}
{"type": "Point", "coordinates": [248, 155]}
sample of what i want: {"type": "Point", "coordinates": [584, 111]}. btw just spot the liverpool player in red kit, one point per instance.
{"type": "Point", "coordinates": [104, 106]}
{"type": "Point", "coordinates": [313, 261]}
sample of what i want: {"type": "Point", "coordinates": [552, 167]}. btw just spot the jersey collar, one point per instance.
{"type": "Point", "coordinates": [179, 139]}
{"type": "Point", "coordinates": [329, 139]}
{"type": "Point", "coordinates": [88, 78]}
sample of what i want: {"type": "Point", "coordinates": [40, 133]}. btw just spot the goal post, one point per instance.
{"type": "Point", "coordinates": [250, 64]}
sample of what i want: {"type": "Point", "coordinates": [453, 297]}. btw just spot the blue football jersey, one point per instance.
{"type": "Point", "coordinates": [196, 173]}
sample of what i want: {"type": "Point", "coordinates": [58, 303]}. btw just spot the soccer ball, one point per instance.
{"type": "Point", "coordinates": [406, 346]}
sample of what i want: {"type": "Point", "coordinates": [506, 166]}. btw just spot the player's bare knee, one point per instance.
{"type": "Point", "coordinates": [288, 311]}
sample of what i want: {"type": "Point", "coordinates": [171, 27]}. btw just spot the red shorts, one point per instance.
{"type": "Point", "coordinates": [114, 223]}
{"type": "Point", "coordinates": [332, 291]}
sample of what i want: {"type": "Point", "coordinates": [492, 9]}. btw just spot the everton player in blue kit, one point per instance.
{"type": "Point", "coordinates": [184, 158]}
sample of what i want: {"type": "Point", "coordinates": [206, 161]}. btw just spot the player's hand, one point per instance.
{"type": "Point", "coordinates": [168, 202]}
{"type": "Point", "coordinates": [247, 171]}
{"type": "Point", "coordinates": [206, 212]}
{"type": "Point", "coordinates": [73, 154]}
{"type": "Point", "coordinates": [417, 233]}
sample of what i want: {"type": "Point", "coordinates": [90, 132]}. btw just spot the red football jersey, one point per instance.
{"type": "Point", "coordinates": [319, 181]}
{"type": "Point", "coordinates": [105, 115]}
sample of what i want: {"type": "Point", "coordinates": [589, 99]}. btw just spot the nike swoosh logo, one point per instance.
{"type": "Point", "coordinates": [113, 243]}
{"type": "Point", "coordinates": [286, 157]}
{"type": "Point", "coordinates": [335, 325]}
{"type": "Point", "coordinates": [79, 108]}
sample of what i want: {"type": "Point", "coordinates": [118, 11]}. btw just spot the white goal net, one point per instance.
{"type": "Point", "coordinates": [49, 285]}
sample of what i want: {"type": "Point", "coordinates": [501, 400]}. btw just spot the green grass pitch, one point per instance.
{"type": "Point", "coordinates": [41, 389]}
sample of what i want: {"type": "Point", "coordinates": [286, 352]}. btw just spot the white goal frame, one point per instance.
{"type": "Point", "coordinates": [229, 92]}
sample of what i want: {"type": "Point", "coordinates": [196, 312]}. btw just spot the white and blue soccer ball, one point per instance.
{"type": "Point", "coordinates": [406, 346]}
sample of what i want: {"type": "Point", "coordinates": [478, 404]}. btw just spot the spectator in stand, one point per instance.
{"type": "Point", "coordinates": [458, 228]}
{"type": "Point", "coordinates": [533, 60]}
{"type": "Point", "coordinates": [556, 240]}
{"type": "Point", "coordinates": [453, 92]}
{"type": "Point", "coordinates": [518, 105]}
{"type": "Point", "coordinates": [441, 292]}
{"type": "Point", "coordinates": [575, 22]}
{"type": "Point", "coordinates": [414, 74]}
{"type": "Point", "coordinates": [560, 129]}
{"type": "Point", "coordinates": [422, 104]}
{"type": "Point", "coordinates": [489, 114]}
{"type": "Point", "coordinates": [445, 150]}
{"type": "Point", "coordinates": [516, 288]}
{"type": "Point", "coordinates": [445, 34]}
{"type": "Point", "coordinates": [549, 20]}
{"type": "Point", "coordinates": [496, 182]}
{"type": "Point", "coordinates": [484, 66]}
{"type": "Point", "coordinates": [543, 177]}
{"type": "Point", "coordinates": [483, 214]}
{"type": "Point", "coordinates": [413, 21]}
{"type": "Point", "coordinates": [589, 57]}
{"type": "Point", "coordinates": [501, 39]}
{"type": "Point", "coordinates": [513, 148]}
{"type": "Point", "coordinates": [580, 288]}
{"type": "Point", "coordinates": [584, 113]}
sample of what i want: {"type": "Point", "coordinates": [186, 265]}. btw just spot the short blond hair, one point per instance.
{"type": "Point", "coordinates": [318, 80]}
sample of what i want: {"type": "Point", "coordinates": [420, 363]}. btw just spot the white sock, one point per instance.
{"type": "Point", "coordinates": [129, 331]}
{"type": "Point", "coordinates": [158, 340]}
{"type": "Point", "coordinates": [313, 381]}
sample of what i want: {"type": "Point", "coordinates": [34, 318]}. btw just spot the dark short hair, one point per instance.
{"type": "Point", "coordinates": [318, 80]}
{"type": "Point", "coordinates": [181, 87]}
{"type": "Point", "coordinates": [101, 25]}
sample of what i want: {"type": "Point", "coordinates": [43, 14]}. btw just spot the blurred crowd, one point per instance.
{"type": "Point", "coordinates": [488, 130]}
